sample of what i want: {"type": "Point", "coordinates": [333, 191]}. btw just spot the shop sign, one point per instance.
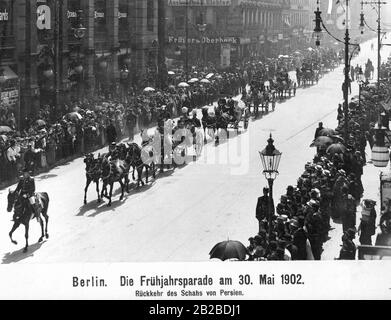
{"type": "Point", "coordinates": [99, 15]}
{"type": "Point", "coordinates": [4, 15]}
{"type": "Point", "coordinates": [195, 3]}
{"type": "Point", "coordinates": [9, 97]}
{"type": "Point", "coordinates": [122, 15]}
{"type": "Point", "coordinates": [204, 40]}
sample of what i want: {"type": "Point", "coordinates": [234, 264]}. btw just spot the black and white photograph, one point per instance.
{"type": "Point", "coordinates": [210, 133]}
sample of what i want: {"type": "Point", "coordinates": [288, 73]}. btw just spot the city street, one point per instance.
{"type": "Point", "coordinates": [184, 213]}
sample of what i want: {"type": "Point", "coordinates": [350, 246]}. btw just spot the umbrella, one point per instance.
{"type": "Point", "coordinates": [171, 73]}
{"type": "Point", "coordinates": [74, 116]}
{"type": "Point", "coordinates": [321, 142]}
{"type": "Point", "coordinates": [40, 123]}
{"type": "Point", "coordinates": [183, 85]}
{"type": "Point", "coordinates": [229, 250]}
{"type": "Point", "coordinates": [149, 89]}
{"type": "Point", "coordinates": [5, 129]}
{"type": "Point", "coordinates": [205, 81]}
{"type": "Point", "coordinates": [209, 75]}
{"type": "Point", "coordinates": [193, 80]}
{"type": "Point", "coordinates": [337, 138]}
{"type": "Point", "coordinates": [336, 148]}
{"type": "Point", "coordinates": [3, 137]}
{"type": "Point", "coordinates": [327, 132]}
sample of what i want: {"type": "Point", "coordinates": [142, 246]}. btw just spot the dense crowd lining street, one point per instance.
{"type": "Point", "coordinates": [186, 211]}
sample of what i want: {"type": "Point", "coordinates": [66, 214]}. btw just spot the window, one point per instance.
{"type": "Point", "coordinates": [179, 22]}
{"type": "Point", "coordinates": [150, 14]}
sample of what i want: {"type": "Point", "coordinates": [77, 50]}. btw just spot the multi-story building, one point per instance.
{"type": "Point", "coordinates": [223, 31]}
{"type": "Point", "coordinates": [53, 50]}
{"type": "Point", "coordinates": [297, 24]}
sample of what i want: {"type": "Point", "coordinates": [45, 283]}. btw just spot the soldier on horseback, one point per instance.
{"type": "Point", "coordinates": [26, 189]}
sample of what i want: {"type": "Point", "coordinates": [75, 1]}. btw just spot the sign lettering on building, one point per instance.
{"type": "Point", "coordinates": [4, 15]}
{"type": "Point", "coordinates": [71, 14]}
{"type": "Point", "coordinates": [206, 40]}
{"type": "Point", "coordinates": [194, 3]}
{"type": "Point", "coordinates": [99, 15]}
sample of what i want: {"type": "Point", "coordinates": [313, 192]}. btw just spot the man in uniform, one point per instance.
{"type": "Point", "coordinates": [26, 188]}
{"type": "Point", "coordinates": [262, 208]}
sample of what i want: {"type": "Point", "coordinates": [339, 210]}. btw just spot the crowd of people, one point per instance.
{"type": "Point", "coordinates": [50, 137]}
{"type": "Point", "coordinates": [330, 187]}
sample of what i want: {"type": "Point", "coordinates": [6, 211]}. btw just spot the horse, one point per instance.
{"type": "Point", "coordinates": [23, 214]}
{"type": "Point", "coordinates": [114, 171]}
{"type": "Point", "coordinates": [140, 158]}
{"type": "Point", "coordinates": [93, 174]}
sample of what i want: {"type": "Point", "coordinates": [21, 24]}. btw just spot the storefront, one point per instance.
{"type": "Point", "coordinates": [202, 50]}
{"type": "Point", "coordinates": [9, 93]}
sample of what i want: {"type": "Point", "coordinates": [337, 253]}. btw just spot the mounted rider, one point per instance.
{"type": "Point", "coordinates": [26, 189]}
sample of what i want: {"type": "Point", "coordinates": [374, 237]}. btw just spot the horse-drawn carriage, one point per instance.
{"type": "Point", "coordinates": [284, 87]}
{"type": "Point", "coordinates": [230, 114]}
{"type": "Point", "coordinates": [309, 76]}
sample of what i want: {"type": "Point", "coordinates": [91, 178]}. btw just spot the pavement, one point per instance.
{"type": "Point", "coordinates": [183, 213]}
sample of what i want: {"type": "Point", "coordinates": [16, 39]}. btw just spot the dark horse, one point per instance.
{"type": "Point", "coordinates": [23, 214]}
{"type": "Point", "coordinates": [114, 171]}
{"type": "Point", "coordinates": [139, 161]}
{"type": "Point", "coordinates": [93, 174]}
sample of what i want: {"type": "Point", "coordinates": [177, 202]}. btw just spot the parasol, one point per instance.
{"type": "Point", "coordinates": [40, 123]}
{"type": "Point", "coordinates": [321, 142]}
{"type": "Point", "coordinates": [193, 80]}
{"type": "Point", "coordinates": [171, 73]}
{"type": "Point", "coordinates": [5, 129]}
{"type": "Point", "coordinates": [183, 85]}
{"type": "Point", "coordinates": [229, 250]}
{"type": "Point", "coordinates": [205, 81]}
{"type": "Point", "coordinates": [149, 89]}
{"type": "Point", "coordinates": [209, 75]}
{"type": "Point", "coordinates": [327, 132]}
{"type": "Point", "coordinates": [336, 148]}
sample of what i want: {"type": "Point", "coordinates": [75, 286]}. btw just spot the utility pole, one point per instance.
{"type": "Point", "coordinates": [57, 69]}
{"type": "Point", "coordinates": [187, 41]}
{"type": "Point", "coordinates": [347, 72]}
{"type": "Point", "coordinates": [378, 5]}
{"type": "Point", "coordinates": [162, 70]}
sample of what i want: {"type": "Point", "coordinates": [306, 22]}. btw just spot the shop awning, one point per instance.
{"type": "Point", "coordinates": [8, 73]}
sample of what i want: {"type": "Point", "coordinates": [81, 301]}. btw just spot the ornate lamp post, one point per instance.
{"type": "Point", "coordinates": [318, 35]}
{"type": "Point", "coordinates": [79, 33]}
{"type": "Point", "coordinates": [270, 158]}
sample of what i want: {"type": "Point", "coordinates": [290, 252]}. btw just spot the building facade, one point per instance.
{"type": "Point", "coordinates": [223, 31]}
{"type": "Point", "coordinates": [53, 51]}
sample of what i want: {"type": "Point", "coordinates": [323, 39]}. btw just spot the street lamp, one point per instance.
{"type": "Point", "coordinates": [79, 33]}
{"type": "Point", "coordinates": [345, 87]}
{"type": "Point", "coordinates": [270, 158]}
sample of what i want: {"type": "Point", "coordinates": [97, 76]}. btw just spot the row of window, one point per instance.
{"type": "Point", "coordinates": [261, 17]}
